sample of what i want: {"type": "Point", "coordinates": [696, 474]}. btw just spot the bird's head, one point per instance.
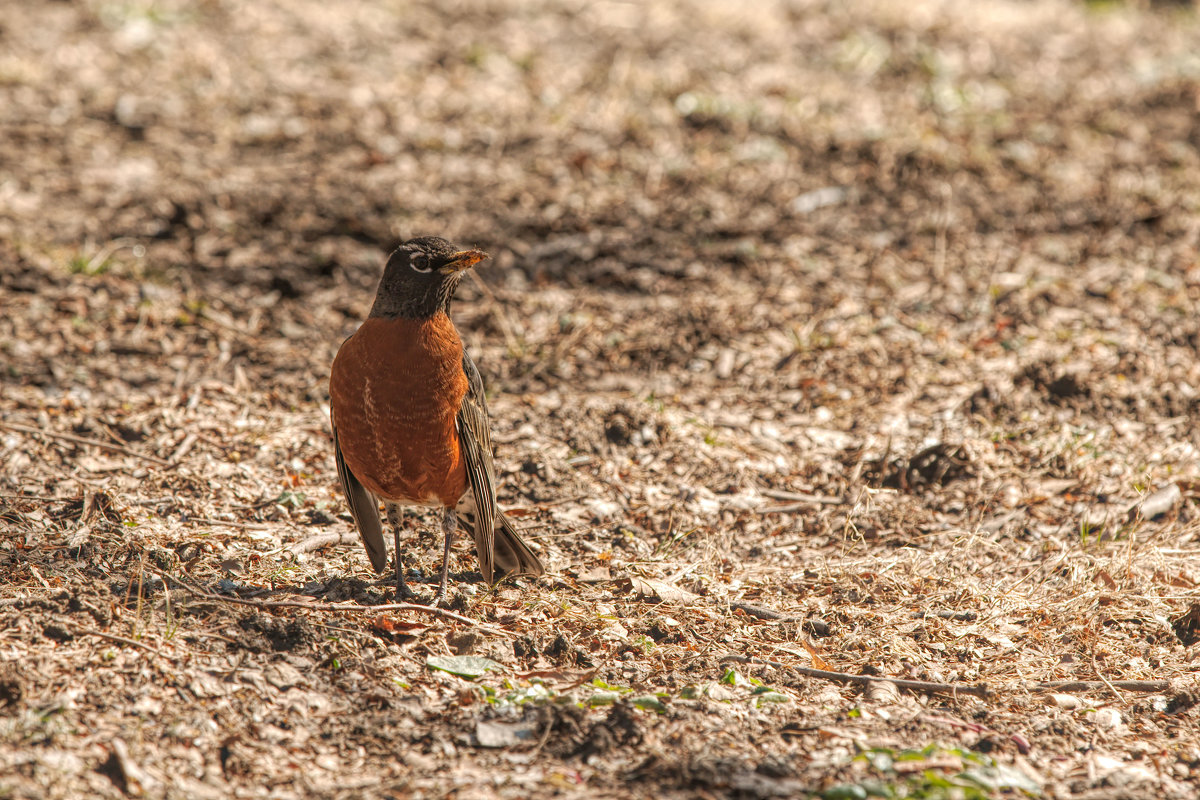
{"type": "Point", "coordinates": [420, 278]}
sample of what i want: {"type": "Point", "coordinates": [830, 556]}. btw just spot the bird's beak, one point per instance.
{"type": "Point", "coordinates": [463, 260]}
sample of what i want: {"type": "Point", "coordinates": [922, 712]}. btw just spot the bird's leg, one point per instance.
{"type": "Point", "coordinates": [395, 518]}
{"type": "Point", "coordinates": [449, 525]}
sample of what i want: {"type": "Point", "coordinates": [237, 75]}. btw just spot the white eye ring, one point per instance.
{"type": "Point", "coordinates": [419, 258]}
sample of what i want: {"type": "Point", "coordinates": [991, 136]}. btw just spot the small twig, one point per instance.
{"type": "Point", "coordinates": [41, 498]}
{"type": "Point", "coordinates": [953, 616]}
{"type": "Point", "coordinates": [791, 508]}
{"type": "Point", "coordinates": [801, 497]}
{"type": "Point", "coordinates": [134, 781]}
{"type": "Point", "coordinates": [329, 607]}
{"type": "Point", "coordinates": [322, 540]}
{"type": "Point", "coordinates": [1120, 697]}
{"type": "Point", "coordinates": [819, 627]}
{"type": "Point", "coordinates": [251, 526]}
{"type": "Point", "coordinates": [184, 447]}
{"type": "Point", "coordinates": [68, 437]}
{"type": "Point", "coordinates": [764, 613]}
{"type": "Point", "coordinates": [150, 501]}
{"type": "Point", "coordinates": [105, 252]}
{"type": "Point", "coordinates": [976, 690]}
{"type": "Point", "coordinates": [544, 738]}
{"type": "Point", "coordinates": [122, 639]}
{"type": "Point", "coordinates": [1150, 687]}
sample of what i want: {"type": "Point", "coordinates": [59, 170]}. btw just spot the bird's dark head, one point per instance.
{"type": "Point", "coordinates": [420, 278]}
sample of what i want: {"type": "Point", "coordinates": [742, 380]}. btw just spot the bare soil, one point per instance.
{"type": "Point", "coordinates": [857, 337]}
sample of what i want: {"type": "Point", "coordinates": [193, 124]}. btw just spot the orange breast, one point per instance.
{"type": "Point", "coordinates": [394, 393]}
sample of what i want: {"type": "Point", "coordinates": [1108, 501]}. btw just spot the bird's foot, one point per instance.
{"type": "Point", "coordinates": [439, 597]}
{"type": "Point", "coordinates": [403, 593]}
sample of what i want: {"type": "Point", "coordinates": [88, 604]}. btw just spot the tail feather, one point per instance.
{"type": "Point", "coordinates": [511, 556]}
{"type": "Point", "coordinates": [363, 508]}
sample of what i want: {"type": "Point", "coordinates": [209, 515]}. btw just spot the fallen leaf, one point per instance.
{"type": "Point", "coordinates": [1179, 580]}
{"type": "Point", "coordinates": [817, 661]}
{"type": "Point", "coordinates": [494, 733]}
{"type": "Point", "coordinates": [462, 666]}
{"type": "Point", "coordinates": [650, 703]}
{"type": "Point", "coordinates": [649, 588]}
{"type": "Point", "coordinates": [569, 679]}
{"type": "Point", "coordinates": [599, 574]}
{"type": "Point", "coordinates": [944, 761]}
{"type": "Point", "coordinates": [394, 626]}
{"type": "Point", "coordinates": [998, 777]}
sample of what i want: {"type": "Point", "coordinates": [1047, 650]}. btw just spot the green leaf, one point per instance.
{"type": "Point", "coordinates": [602, 699]}
{"type": "Point", "coordinates": [731, 678]}
{"type": "Point", "coordinates": [1001, 776]}
{"type": "Point", "coordinates": [535, 693]}
{"type": "Point", "coordinates": [650, 703]}
{"type": "Point", "coordinates": [462, 666]}
{"type": "Point", "coordinates": [772, 697]}
{"type": "Point", "coordinates": [882, 760]}
{"type": "Point", "coordinates": [877, 788]}
{"type": "Point", "coordinates": [846, 791]}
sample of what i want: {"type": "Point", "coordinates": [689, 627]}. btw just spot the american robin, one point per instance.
{"type": "Point", "coordinates": [410, 420]}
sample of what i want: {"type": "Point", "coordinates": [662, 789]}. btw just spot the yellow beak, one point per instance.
{"type": "Point", "coordinates": [463, 259]}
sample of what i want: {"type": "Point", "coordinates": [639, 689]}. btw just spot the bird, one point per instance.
{"type": "Point", "coordinates": [410, 418]}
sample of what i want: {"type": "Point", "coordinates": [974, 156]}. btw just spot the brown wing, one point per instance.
{"type": "Point", "coordinates": [475, 442]}
{"type": "Point", "coordinates": [363, 508]}
{"type": "Point", "coordinates": [495, 546]}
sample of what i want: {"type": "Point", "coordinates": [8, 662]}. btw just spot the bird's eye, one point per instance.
{"type": "Point", "coordinates": [419, 262]}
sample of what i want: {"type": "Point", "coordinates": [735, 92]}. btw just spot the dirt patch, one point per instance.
{"type": "Point", "coordinates": [849, 337]}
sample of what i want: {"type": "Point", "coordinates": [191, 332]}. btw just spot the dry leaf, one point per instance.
{"type": "Point", "coordinates": [649, 588]}
{"type": "Point", "coordinates": [595, 575]}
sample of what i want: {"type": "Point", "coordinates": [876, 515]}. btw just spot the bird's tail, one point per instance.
{"type": "Point", "coordinates": [513, 556]}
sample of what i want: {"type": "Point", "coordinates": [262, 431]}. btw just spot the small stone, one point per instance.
{"type": "Point", "coordinates": [282, 676]}
{"type": "Point", "coordinates": [464, 642]}
{"type": "Point", "coordinates": [1065, 701]}
{"type": "Point", "coordinates": [1157, 504]}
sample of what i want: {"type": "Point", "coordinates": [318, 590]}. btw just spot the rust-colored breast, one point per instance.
{"type": "Point", "coordinates": [395, 390]}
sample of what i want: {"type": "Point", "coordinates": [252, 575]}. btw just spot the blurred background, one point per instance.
{"type": "Point", "coordinates": [773, 180]}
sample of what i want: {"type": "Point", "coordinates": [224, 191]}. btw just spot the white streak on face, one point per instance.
{"type": "Point", "coordinates": [419, 261]}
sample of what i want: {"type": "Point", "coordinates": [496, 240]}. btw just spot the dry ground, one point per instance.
{"type": "Point", "coordinates": [881, 316]}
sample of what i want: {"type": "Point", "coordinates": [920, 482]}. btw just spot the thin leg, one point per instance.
{"type": "Point", "coordinates": [449, 525]}
{"type": "Point", "coordinates": [395, 518]}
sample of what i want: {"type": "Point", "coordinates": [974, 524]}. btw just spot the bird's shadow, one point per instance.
{"type": "Point", "coordinates": [352, 589]}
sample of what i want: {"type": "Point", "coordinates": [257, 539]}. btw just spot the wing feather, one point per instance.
{"type": "Point", "coordinates": [497, 543]}
{"type": "Point", "coordinates": [475, 442]}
